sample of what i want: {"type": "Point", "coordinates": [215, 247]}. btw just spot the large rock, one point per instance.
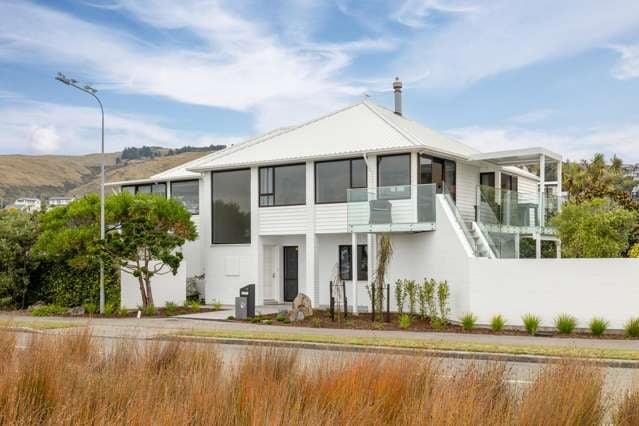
{"type": "Point", "coordinates": [296, 315]}
{"type": "Point", "coordinates": [76, 312]}
{"type": "Point", "coordinates": [303, 303]}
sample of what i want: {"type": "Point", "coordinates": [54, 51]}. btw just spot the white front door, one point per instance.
{"type": "Point", "coordinates": [269, 273]}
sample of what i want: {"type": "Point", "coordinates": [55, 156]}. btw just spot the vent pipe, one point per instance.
{"type": "Point", "coordinates": [397, 88]}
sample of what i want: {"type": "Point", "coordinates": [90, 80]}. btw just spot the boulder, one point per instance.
{"type": "Point", "coordinates": [76, 312]}
{"type": "Point", "coordinates": [296, 315]}
{"type": "Point", "coordinates": [303, 302]}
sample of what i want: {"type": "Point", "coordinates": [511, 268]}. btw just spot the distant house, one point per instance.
{"type": "Point", "coordinates": [27, 204]}
{"type": "Point", "coordinates": [635, 192]}
{"type": "Point", "coordinates": [59, 201]}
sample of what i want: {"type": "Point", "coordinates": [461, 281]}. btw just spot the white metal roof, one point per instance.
{"type": "Point", "coordinates": [357, 129]}
{"type": "Point", "coordinates": [514, 157]}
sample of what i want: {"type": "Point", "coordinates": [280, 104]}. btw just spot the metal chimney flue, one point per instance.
{"type": "Point", "coordinates": [397, 88]}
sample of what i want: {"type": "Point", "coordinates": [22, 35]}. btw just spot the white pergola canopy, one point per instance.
{"type": "Point", "coordinates": [517, 157]}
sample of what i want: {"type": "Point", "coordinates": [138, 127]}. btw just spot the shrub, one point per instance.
{"type": "Point", "coordinates": [497, 323]}
{"type": "Point", "coordinates": [404, 321]}
{"type": "Point", "coordinates": [47, 310]}
{"type": "Point", "coordinates": [170, 309]}
{"type": "Point", "coordinates": [281, 317]}
{"type": "Point", "coordinates": [231, 318]}
{"type": "Point", "coordinates": [531, 323]}
{"type": "Point", "coordinates": [429, 295]}
{"type": "Point", "coordinates": [195, 306]}
{"type": "Point", "coordinates": [598, 326]}
{"type": "Point", "coordinates": [378, 325]}
{"type": "Point", "coordinates": [565, 323]}
{"type": "Point", "coordinates": [437, 324]}
{"type": "Point", "coordinates": [468, 321]}
{"type": "Point", "coordinates": [443, 294]}
{"type": "Point", "coordinates": [267, 322]}
{"type": "Point", "coordinates": [217, 306]}
{"type": "Point", "coordinates": [411, 292]}
{"type": "Point", "coordinates": [123, 312]}
{"type": "Point", "coordinates": [400, 296]}
{"type": "Point", "coordinates": [421, 298]}
{"type": "Point", "coordinates": [149, 311]}
{"type": "Point", "coordinates": [316, 322]}
{"type": "Point", "coordinates": [255, 320]}
{"type": "Point", "coordinates": [90, 308]}
{"type": "Point", "coordinates": [286, 321]}
{"type": "Point", "coordinates": [631, 329]}
{"type": "Point", "coordinates": [109, 309]}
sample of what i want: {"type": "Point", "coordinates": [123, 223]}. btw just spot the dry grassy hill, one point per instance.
{"type": "Point", "coordinates": [56, 175]}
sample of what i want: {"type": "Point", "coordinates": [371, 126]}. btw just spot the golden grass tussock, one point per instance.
{"type": "Point", "coordinates": [72, 379]}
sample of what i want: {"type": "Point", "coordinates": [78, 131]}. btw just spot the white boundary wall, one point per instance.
{"type": "Point", "coordinates": [166, 288]}
{"type": "Point", "coordinates": [547, 287]}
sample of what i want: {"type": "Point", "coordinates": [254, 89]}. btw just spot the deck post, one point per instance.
{"type": "Point", "coordinates": [354, 270]}
{"type": "Point", "coordinates": [542, 207]}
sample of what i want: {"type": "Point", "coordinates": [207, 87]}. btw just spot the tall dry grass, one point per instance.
{"type": "Point", "coordinates": [73, 380]}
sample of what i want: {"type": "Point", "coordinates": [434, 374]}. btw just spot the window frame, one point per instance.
{"type": "Point", "coordinates": [242, 243]}
{"type": "Point", "coordinates": [171, 182]}
{"type": "Point", "coordinates": [381, 157]}
{"type": "Point", "coordinates": [360, 250]}
{"type": "Point", "coordinates": [136, 187]}
{"type": "Point", "coordinates": [273, 194]}
{"type": "Point", "coordinates": [350, 177]}
{"type": "Point", "coordinates": [443, 162]}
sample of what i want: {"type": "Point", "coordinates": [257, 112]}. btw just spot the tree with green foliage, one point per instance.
{"type": "Point", "coordinates": [142, 236]}
{"type": "Point", "coordinates": [594, 228]}
{"type": "Point", "coordinates": [18, 234]}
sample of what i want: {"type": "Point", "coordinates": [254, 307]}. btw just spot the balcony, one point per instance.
{"type": "Point", "coordinates": [405, 208]}
{"type": "Point", "coordinates": [506, 216]}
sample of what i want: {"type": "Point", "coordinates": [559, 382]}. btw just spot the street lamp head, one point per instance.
{"type": "Point", "coordinates": [62, 78]}
{"type": "Point", "coordinates": [89, 89]}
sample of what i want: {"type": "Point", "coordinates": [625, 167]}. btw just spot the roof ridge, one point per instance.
{"type": "Point", "coordinates": [273, 133]}
{"type": "Point", "coordinates": [406, 134]}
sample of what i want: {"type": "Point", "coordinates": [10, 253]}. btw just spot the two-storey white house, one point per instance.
{"type": "Point", "coordinates": [295, 208]}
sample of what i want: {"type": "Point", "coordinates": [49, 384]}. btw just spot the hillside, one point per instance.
{"type": "Point", "coordinates": [44, 176]}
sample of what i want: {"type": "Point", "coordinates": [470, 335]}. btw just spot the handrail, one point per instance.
{"type": "Point", "coordinates": [459, 219]}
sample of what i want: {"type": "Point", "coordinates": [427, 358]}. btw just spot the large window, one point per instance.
{"type": "Point", "coordinates": [346, 263]}
{"type": "Point", "coordinates": [283, 185]}
{"type": "Point", "coordinates": [187, 193]}
{"type": "Point", "coordinates": [231, 196]}
{"type": "Point", "coordinates": [440, 172]}
{"type": "Point", "coordinates": [393, 176]}
{"type": "Point", "coordinates": [148, 188]}
{"type": "Point", "coordinates": [333, 178]}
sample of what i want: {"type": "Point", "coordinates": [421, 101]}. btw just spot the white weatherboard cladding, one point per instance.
{"type": "Point", "coordinates": [283, 220]}
{"type": "Point", "coordinates": [330, 218]}
{"type": "Point", "coordinates": [528, 190]}
{"type": "Point", "coordinates": [467, 182]}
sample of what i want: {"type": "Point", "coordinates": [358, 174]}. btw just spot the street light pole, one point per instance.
{"type": "Point", "coordinates": [91, 91]}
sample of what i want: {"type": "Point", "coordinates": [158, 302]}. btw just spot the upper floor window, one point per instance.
{"type": "Point", "coordinates": [393, 171]}
{"type": "Point", "coordinates": [283, 185]}
{"type": "Point", "coordinates": [231, 198]}
{"type": "Point", "coordinates": [187, 193]}
{"type": "Point", "coordinates": [333, 178]}
{"type": "Point", "coordinates": [346, 263]}
{"type": "Point", "coordinates": [438, 171]}
{"type": "Point", "coordinates": [149, 188]}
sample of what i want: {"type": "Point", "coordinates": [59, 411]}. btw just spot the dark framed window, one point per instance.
{"type": "Point", "coordinates": [487, 179]}
{"type": "Point", "coordinates": [187, 192]}
{"type": "Point", "coordinates": [147, 188]}
{"type": "Point", "coordinates": [438, 171]}
{"type": "Point", "coordinates": [334, 177]}
{"type": "Point", "coordinates": [509, 182]}
{"type": "Point", "coordinates": [393, 176]}
{"type": "Point", "coordinates": [283, 185]}
{"type": "Point", "coordinates": [346, 262]}
{"type": "Point", "coordinates": [231, 206]}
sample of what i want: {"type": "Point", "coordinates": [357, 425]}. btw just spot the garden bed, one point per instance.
{"type": "Point", "coordinates": [363, 321]}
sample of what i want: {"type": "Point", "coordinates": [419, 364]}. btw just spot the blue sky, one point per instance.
{"type": "Point", "coordinates": [495, 74]}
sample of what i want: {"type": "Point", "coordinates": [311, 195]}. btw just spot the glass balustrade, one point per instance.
{"type": "Point", "coordinates": [403, 208]}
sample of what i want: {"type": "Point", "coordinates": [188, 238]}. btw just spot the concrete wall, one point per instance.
{"type": "Point", "coordinates": [165, 288]}
{"type": "Point", "coordinates": [548, 287]}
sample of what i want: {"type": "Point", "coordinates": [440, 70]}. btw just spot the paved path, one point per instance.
{"type": "Point", "coordinates": [147, 327]}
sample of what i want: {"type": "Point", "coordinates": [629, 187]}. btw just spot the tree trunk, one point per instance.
{"type": "Point", "coordinates": [149, 293]}
{"type": "Point", "coordinates": [145, 301]}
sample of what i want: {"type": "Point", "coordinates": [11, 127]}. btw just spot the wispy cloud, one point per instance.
{"type": "Point", "coordinates": [505, 35]}
{"type": "Point", "coordinates": [531, 117]}
{"type": "Point", "coordinates": [628, 65]}
{"type": "Point", "coordinates": [46, 128]}
{"type": "Point", "coordinates": [415, 13]}
{"type": "Point", "coordinates": [236, 63]}
{"type": "Point", "coordinates": [574, 144]}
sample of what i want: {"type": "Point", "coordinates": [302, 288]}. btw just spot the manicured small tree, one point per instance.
{"type": "Point", "coordinates": [429, 293]}
{"type": "Point", "coordinates": [411, 292]}
{"type": "Point", "coordinates": [422, 299]}
{"type": "Point", "coordinates": [443, 294]}
{"type": "Point", "coordinates": [400, 296]}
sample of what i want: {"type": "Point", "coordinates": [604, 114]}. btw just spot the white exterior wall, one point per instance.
{"type": "Point", "coordinates": [192, 251]}
{"type": "Point", "coordinates": [467, 182]}
{"type": "Point", "coordinates": [282, 220]}
{"type": "Point", "coordinates": [330, 218]}
{"type": "Point", "coordinates": [548, 287]}
{"type": "Point", "coordinates": [165, 288]}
